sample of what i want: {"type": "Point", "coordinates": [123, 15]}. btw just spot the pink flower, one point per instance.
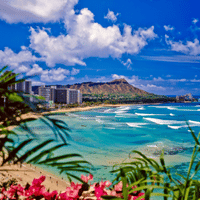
{"type": "Point", "coordinates": [87, 178]}
{"type": "Point", "coordinates": [76, 186]}
{"type": "Point", "coordinates": [13, 190]}
{"type": "Point", "coordinates": [118, 186]}
{"type": "Point", "coordinates": [52, 195]}
{"type": "Point", "coordinates": [72, 193]}
{"type": "Point", "coordinates": [37, 182]}
{"type": "Point", "coordinates": [63, 196]}
{"type": "Point", "coordinates": [99, 191]}
{"type": "Point", "coordinates": [2, 197]}
{"type": "Point", "coordinates": [112, 193]}
{"type": "Point", "coordinates": [105, 184]}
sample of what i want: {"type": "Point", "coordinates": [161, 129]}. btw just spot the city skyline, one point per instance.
{"type": "Point", "coordinates": [153, 44]}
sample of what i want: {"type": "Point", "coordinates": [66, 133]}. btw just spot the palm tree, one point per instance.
{"type": "Point", "coordinates": [32, 150]}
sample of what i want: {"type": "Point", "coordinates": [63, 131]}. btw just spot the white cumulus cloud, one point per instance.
{"type": "Point", "coordinates": [15, 11]}
{"type": "Point", "coordinates": [16, 60]}
{"type": "Point", "coordinates": [86, 39]}
{"type": "Point", "coordinates": [54, 75]}
{"type": "Point", "coordinates": [75, 71]}
{"type": "Point", "coordinates": [111, 16]}
{"type": "Point", "coordinates": [128, 63]}
{"type": "Point", "coordinates": [168, 28]}
{"type": "Point", "coordinates": [36, 70]}
{"type": "Point", "coordinates": [194, 21]}
{"type": "Point", "coordinates": [189, 47]}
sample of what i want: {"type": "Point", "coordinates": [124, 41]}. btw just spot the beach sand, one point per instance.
{"type": "Point", "coordinates": [25, 173]}
{"type": "Point", "coordinates": [77, 109]}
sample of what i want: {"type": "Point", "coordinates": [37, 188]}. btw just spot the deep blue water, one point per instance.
{"type": "Point", "coordinates": [106, 136]}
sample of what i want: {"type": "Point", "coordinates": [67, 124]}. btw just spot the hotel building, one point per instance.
{"type": "Point", "coordinates": [60, 95]}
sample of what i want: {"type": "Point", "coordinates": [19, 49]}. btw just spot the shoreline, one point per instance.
{"type": "Point", "coordinates": [76, 109]}
{"type": "Point", "coordinates": [79, 109]}
{"type": "Point", "coordinates": [25, 173]}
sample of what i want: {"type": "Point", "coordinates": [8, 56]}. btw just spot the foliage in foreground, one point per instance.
{"type": "Point", "coordinates": [142, 176]}
{"type": "Point", "coordinates": [156, 179]}
{"type": "Point", "coordinates": [33, 149]}
{"type": "Point", "coordinates": [143, 179]}
{"type": "Point", "coordinates": [74, 192]}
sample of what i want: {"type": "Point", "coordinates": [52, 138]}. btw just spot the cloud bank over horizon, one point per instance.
{"type": "Point", "coordinates": [66, 36]}
{"type": "Point", "coordinates": [84, 38]}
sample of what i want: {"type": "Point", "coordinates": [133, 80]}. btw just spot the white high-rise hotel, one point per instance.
{"type": "Point", "coordinates": [25, 86]}
{"type": "Point", "coordinates": [60, 95]}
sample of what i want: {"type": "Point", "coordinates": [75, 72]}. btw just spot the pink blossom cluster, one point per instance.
{"type": "Point", "coordinates": [78, 191]}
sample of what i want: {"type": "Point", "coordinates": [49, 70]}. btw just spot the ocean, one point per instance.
{"type": "Point", "coordinates": [106, 136]}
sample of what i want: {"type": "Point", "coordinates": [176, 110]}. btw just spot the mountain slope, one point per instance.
{"type": "Point", "coordinates": [118, 86]}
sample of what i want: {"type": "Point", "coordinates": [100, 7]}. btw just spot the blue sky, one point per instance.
{"type": "Point", "coordinates": [153, 44]}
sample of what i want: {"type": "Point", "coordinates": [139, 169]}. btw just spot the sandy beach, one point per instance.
{"type": "Point", "coordinates": [26, 173]}
{"type": "Point", "coordinates": [77, 109]}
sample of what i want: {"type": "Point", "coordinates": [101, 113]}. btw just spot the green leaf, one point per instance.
{"type": "Point", "coordinates": [13, 153]}
{"type": "Point", "coordinates": [59, 158]}
{"type": "Point", "coordinates": [33, 150]}
{"type": "Point", "coordinates": [44, 153]}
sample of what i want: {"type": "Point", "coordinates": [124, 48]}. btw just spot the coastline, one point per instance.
{"type": "Point", "coordinates": [76, 109]}
{"type": "Point", "coordinates": [26, 173]}
{"type": "Point", "coordinates": [79, 109]}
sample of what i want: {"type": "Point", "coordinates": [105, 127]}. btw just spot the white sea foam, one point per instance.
{"type": "Point", "coordinates": [191, 123]}
{"type": "Point", "coordinates": [141, 108]}
{"type": "Point", "coordinates": [175, 127]}
{"type": "Point", "coordinates": [100, 121]}
{"type": "Point", "coordinates": [171, 108]}
{"type": "Point", "coordinates": [164, 122]}
{"type": "Point", "coordinates": [71, 115]}
{"type": "Point", "coordinates": [171, 114]}
{"type": "Point", "coordinates": [136, 125]}
{"type": "Point", "coordinates": [147, 114]}
{"type": "Point", "coordinates": [106, 111]}
{"type": "Point", "coordinates": [110, 128]}
{"type": "Point", "coordinates": [125, 115]}
{"type": "Point", "coordinates": [120, 111]}
{"type": "Point", "coordinates": [187, 110]}
{"type": "Point", "coordinates": [124, 108]}
{"type": "Point", "coordinates": [162, 106]}
{"type": "Point", "coordinates": [194, 122]}
{"type": "Point", "coordinates": [85, 118]}
{"type": "Point", "coordinates": [154, 146]}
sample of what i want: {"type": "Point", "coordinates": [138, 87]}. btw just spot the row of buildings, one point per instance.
{"type": "Point", "coordinates": [60, 95]}
{"type": "Point", "coordinates": [50, 93]}
{"type": "Point", "coordinates": [25, 87]}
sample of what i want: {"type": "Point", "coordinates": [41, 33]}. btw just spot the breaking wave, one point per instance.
{"type": "Point", "coordinates": [164, 122]}
{"type": "Point", "coordinates": [136, 125]}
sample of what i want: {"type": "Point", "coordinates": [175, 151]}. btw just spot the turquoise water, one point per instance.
{"type": "Point", "coordinates": [106, 136]}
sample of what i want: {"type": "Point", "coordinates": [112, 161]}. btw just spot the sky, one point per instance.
{"type": "Point", "coordinates": [153, 44]}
